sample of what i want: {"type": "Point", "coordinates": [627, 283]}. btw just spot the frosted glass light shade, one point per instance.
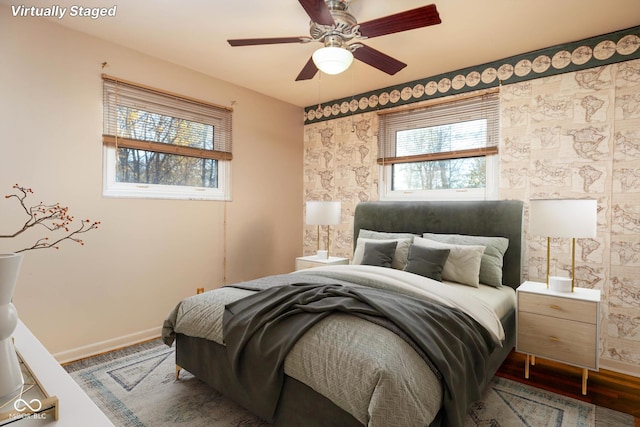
{"type": "Point", "coordinates": [332, 60]}
{"type": "Point", "coordinates": [323, 213]}
{"type": "Point", "coordinates": [563, 218]}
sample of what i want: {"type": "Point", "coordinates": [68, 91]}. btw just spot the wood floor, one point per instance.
{"type": "Point", "coordinates": [605, 388]}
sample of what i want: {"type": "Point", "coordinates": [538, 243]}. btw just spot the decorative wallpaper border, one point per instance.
{"type": "Point", "coordinates": [623, 45]}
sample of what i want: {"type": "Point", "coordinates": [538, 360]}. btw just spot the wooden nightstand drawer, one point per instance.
{"type": "Point", "coordinates": [303, 264]}
{"type": "Point", "coordinates": [563, 308]}
{"type": "Point", "coordinates": [563, 340]}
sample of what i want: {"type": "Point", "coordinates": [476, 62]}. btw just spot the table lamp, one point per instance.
{"type": "Point", "coordinates": [563, 218]}
{"type": "Point", "coordinates": [323, 213]}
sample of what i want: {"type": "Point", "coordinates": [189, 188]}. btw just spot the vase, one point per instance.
{"type": "Point", "coordinates": [11, 380]}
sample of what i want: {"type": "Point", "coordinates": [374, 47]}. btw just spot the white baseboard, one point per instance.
{"type": "Point", "coordinates": [104, 346]}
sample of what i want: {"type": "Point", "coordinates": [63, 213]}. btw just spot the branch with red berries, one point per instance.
{"type": "Point", "coordinates": [52, 217]}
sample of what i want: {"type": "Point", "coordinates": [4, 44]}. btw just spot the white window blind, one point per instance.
{"type": "Point", "coordinates": [467, 127]}
{"type": "Point", "coordinates": [144, 118]}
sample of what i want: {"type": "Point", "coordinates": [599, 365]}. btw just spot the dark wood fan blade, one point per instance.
{"type": "Point", "coordinates": [274, 40]}
{"type": "Point", "coordinates": [403, 21]}
{"type": "Point", "coordinates": [308, 71]}
{"type": "Point", "coordinates": [379, 60]}
{"type": "Point", "coordinates": [318, 11]}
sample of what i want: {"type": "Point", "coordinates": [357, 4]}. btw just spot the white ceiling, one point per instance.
{"type": "Point", "coordinates": [193, 33]}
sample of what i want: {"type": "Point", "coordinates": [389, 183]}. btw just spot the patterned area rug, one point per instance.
{"type": "Point", "coordinates": [511, 404]}
{"type": "Point", "coordinates": [136, 387]}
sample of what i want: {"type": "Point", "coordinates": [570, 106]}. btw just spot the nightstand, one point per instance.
{"type": "Point", "coordinates": [313, 261]}
{"type": "Point", "coordinates": [560, 326]}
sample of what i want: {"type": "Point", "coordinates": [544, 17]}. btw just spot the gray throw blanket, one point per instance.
{"type": "Point", "coordinates": [260, 329]}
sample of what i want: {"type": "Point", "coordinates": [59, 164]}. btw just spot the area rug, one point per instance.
{"type": "Point", "coordinates": [136, 387]}
{"type": "Point", "coordinates": [511, 404]}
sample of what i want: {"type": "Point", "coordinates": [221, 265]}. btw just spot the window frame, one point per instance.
{"type": "Point", "coordinates": [223, 156]}
{"type": "Point", "coordinates": [490, 153]}
{"type": "Point", "coordinates": [112, 188]}
{"type": "Point", "coordinates": [489, 192]}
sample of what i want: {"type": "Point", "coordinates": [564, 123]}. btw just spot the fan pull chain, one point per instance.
{"type": "Point", "coordinates": [319, 92]}
{"type": "Point", "coordinates": [353, 125]}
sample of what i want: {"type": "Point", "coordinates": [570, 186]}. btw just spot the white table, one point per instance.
{"type": "Point", "coordinates": [75, 407]}
{"type": "Point", "coordinates": [313, 261]}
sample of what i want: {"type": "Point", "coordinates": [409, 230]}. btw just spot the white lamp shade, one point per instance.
{"type": "Point", "coordinates": [563, 218]}
{"type": "Point", "coordinates": [332, 59]}
{"type": "Point", "coordinates": [323, 213]}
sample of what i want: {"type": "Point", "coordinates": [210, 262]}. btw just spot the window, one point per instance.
{"type": "Point", "coordinates": [444, 151]}
{"type": "Point", "coordinates": [162, 145]}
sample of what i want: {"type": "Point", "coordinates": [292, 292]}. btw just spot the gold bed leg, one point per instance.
{"type": "Point", "coordinates": [533, 361]}
{"type": "Point", "coordinates": [178, 369]}
{"type": "Point", "coordinates": [585, 376]}
{"type": "Point", "coordinates": [526, 367]}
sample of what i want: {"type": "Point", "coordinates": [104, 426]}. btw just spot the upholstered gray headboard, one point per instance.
{"type": "Point", "coordinates": [501, 218]}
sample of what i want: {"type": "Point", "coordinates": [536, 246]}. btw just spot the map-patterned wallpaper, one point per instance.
{"type": "Point", "coordinates": [572, 135]}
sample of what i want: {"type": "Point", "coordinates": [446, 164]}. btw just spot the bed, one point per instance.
{"type": "Point", "coordinates": [355, 366]}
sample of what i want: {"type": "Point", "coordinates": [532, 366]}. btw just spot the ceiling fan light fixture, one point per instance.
{"type": "Point", "coordinates": [332, 59]}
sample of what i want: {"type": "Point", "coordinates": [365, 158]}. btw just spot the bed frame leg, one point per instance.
{"type": "Point", "coordinates": [178, 369]}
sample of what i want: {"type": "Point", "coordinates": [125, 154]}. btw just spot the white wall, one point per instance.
{"type": "Point", "coordinates": [147, 254]}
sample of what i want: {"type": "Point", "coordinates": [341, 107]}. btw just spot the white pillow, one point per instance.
{"type": "Point", "coordinates": [399, 260]}
{"type": "Point", "coordinates": [463, 263]}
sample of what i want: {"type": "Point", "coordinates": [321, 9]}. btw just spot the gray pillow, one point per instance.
{"type": "Point", "coordinates": [402, 250]}
{"type": "Point", "coordinates": [463, 262]}
{"type": "Point", "coordinates": [399, 258]}
{"type": "Point", "coordinates": [383, 235]}
{"type": "Point", "coordinates": [379, 253]}
{"type": "Point", "coordinates": [492, 259]}
{"type": "Point", "coordinates": [427, 262]}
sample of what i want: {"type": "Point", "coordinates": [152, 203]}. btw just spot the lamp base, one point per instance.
{"type": "Point", "coordinates": [559, 284]}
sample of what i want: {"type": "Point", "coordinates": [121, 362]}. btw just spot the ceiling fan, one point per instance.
{"type": "Point", "coordinates": [333, 25]}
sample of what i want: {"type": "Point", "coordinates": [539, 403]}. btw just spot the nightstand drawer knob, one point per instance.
{"type": "Point", "coordinates": [555, 307]}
